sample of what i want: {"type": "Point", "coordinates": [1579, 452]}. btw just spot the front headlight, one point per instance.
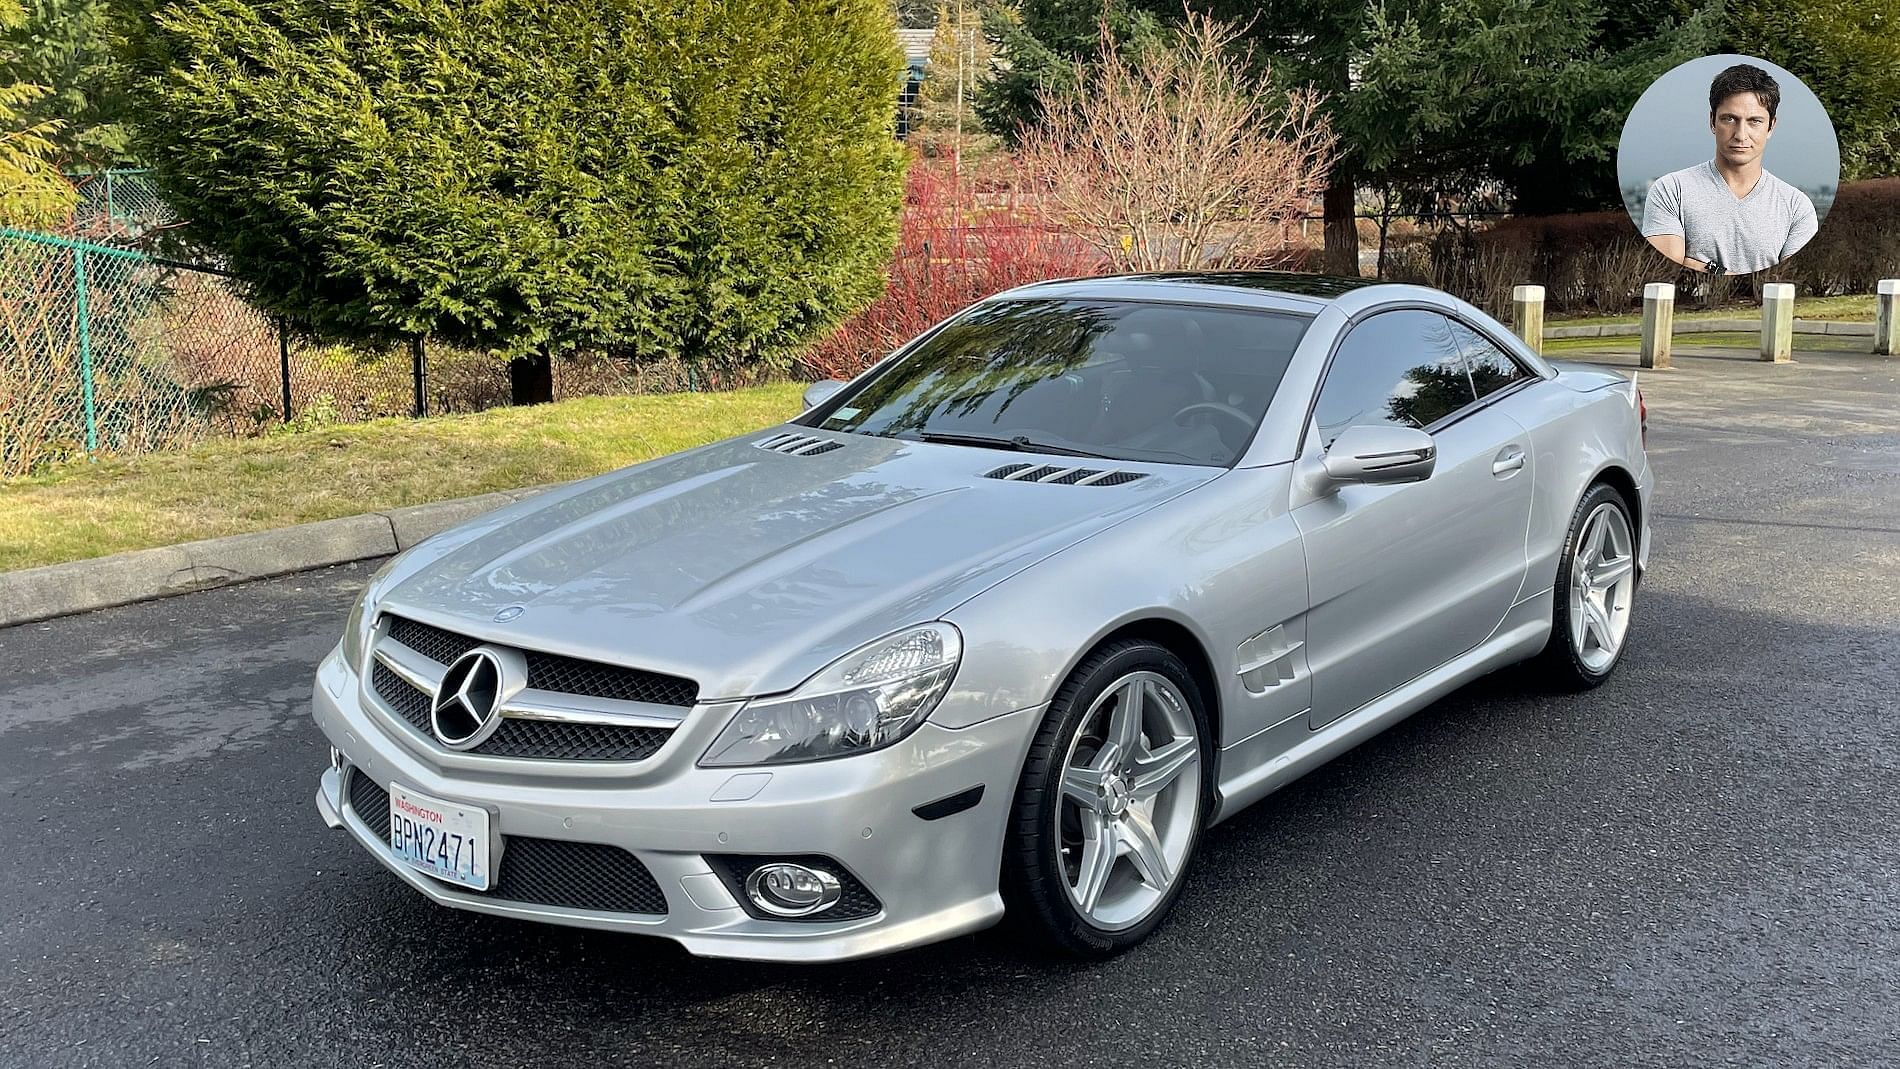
{"type": "Point", "coordinates": [354, 637]}
{"type": "Point", "coordinates": [869, 698]}
{"type": "Point", "coordinates": [356, 628]}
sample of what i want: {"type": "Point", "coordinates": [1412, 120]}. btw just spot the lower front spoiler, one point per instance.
{"type": "Point", "coordinates": [704, 918]}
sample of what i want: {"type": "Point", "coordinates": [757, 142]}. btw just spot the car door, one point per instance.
{"type": "Point", "coordinates": [1405, 577]}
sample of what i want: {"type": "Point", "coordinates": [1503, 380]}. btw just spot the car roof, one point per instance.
{"type": "Point", "coordinates": [1280, 290]}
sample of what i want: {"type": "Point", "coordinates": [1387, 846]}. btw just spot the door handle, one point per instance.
{"type": "Point", "coordinates": [1510, 460]}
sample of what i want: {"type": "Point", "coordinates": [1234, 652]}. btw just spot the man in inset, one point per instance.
{"type": "Point", "coordinates": [1730, 215]}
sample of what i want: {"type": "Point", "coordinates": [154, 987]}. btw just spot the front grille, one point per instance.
{"type": "Point", "coordinates": [550, 671]}
{"type": "Point", "coordinates": [440, 646]}
{"type": "Point", "coordinates": [855, 901]}
{"type": "Point", "coordinates": [409, 703]}
{"type": "Point", "coordinates": [542, 872]}
{"type": "Point", "coordinates": [553, 741]}
{"type": "Point", "coordinates": [544, 739]}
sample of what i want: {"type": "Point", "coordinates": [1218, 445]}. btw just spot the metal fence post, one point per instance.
{"type": "Point", "coordinates": [422, 376]}
{"type": "Point", "coordinates": [85, 351]}
{"type": "Point", "coordinates": [283, 363]}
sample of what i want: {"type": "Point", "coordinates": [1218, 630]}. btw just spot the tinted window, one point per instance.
{"type": "Point", "coordinates": [1397, 367]}
{"type": "Point", "coordinates": [1491, 368]}
{"type": "Point", "coordinates": [1119, 379]}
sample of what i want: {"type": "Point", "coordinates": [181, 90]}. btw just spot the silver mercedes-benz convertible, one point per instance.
{"type": "Point", "coordinates": [1001, 624]}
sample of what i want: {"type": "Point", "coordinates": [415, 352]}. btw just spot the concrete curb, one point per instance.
{"type": "Point", "coordinates": [1708, 326]}
{"type": "Point", "coordinates": [142, 575]}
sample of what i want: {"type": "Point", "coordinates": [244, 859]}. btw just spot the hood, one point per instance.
{"type": "Point", "coordinates": [747, 569]}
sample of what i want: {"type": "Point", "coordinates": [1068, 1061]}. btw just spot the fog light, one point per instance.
{"type": "Point", "coordinates": [786, 890]}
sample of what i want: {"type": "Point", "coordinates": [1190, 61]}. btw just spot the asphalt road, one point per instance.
{"type": "Point", "coordinates": [1698, 864]}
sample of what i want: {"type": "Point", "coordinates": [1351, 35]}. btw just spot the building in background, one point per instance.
{"type": "Point", "coordinates": [916, 58]}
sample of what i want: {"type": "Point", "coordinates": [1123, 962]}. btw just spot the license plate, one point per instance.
{"type": "Point", "coordinates": [444, 839]}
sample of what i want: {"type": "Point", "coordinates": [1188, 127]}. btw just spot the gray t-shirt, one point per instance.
{"type": "Point", "coordinates": [1747, 234]}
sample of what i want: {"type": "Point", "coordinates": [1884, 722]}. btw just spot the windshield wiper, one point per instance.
{"type": "Point", "coordinates": [1020, 443]}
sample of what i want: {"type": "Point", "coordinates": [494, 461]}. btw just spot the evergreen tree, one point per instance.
{"type": "Point", "coordinates": [32, 191]}
{"type": "Point", "coordinates": [1040, 42]}
{"type": "Point", "coordinates": [62, 44]}
{"type": "Point", "coordinates": [1848, 52]}
{"type": "Point", "coordinates": [960, 62]}
{"type": "Point", "coordinates": [710, 179]}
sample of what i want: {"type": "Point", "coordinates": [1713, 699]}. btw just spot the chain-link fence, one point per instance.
{"type": "Point", "coordinates": [118, 203]}
{"type": "Point", "coordinates": [106, 350]}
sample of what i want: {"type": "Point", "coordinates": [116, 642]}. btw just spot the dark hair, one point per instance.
{"type": "Point", "coordinates": [1745, 78]}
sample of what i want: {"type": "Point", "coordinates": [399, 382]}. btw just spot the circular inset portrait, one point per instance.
{"type": "Point", "coordinates": [1728, 164]}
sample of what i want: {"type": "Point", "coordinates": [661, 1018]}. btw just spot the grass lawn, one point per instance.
{"type": "Point", "coordinates": [1837, 343]}
{"type": "Point", "coordinates": [1858, 307]}
{"type": "Point", "coordinates": [86, 510]}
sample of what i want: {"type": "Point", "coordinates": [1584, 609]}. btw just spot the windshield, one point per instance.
{"type": "Point", "coordinates": [1123, 380]}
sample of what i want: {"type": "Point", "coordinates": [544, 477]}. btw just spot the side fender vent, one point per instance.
{"type": "Point", "coordinates": [1266, 660]}
{"type": "Point", "coordinates": [1048, 473]}
{"type": "Point", "coordinates": [799, 445]}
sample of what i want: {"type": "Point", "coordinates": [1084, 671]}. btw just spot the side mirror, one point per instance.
{"type": "Point", "coordinates": [1380, 453]}
{"type": "Point", "coordinates": [819, 392]}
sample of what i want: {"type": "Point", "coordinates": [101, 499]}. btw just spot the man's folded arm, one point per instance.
{"type": "Point", "coordinates": [1802, 229]}
{"type": "Point", "coordinates": [1662, 224]}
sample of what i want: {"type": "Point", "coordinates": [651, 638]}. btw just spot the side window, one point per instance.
{"type": "Point", "coordinates": [1396, 367]}
{"type": "Point", "coordinates": [1492, 369]}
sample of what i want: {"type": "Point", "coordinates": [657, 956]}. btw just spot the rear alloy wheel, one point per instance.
{"type": "Point", "coordinates": [1112, 801]}
{"type": "Point", "coordinates": [1595, 592]}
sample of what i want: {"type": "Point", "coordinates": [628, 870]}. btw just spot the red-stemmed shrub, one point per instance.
{"type": "Point", "coordinates": [959, 242]}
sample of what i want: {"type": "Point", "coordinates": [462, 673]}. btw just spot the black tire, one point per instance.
{"type": "Point", "coordinates": [1561, 664]}
{"type": "Point", "coordinates": [1034, 886]}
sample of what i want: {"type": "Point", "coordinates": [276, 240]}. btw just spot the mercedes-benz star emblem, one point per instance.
{"type": "Point", "coordinates": [468, 700]}
{"type": "Point", "coordinates": [508, 614]}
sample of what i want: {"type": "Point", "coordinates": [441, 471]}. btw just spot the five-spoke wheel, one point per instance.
{"type": "Point", "coordinates": [1112, 800]}
{"type": "Point", "coordinates": [1130, 800]}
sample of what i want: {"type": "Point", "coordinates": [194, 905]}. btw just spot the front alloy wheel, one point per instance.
{"type": "Point", "coordinates": [1112, 801]}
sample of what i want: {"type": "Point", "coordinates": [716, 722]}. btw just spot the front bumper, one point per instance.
{"type": "Point", "coordinates": [933, 878]}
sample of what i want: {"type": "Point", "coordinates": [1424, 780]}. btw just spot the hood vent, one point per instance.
{"type": "Point", "coordinates": [1047, 473]}
{"type": "Point", "coordinates": [799, 445]}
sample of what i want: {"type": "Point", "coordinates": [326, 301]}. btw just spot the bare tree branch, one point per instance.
{"type": "Point", "coordinates": [1178, 159]}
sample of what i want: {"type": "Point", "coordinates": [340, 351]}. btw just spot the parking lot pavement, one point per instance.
{"type": "Point", "coordinates": [1698, 864]}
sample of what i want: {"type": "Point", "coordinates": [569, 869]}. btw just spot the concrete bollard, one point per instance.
{"type": "Point", "coordinates": [1659, 321]}
{"type": "Point", "coordinates": [1527, 315]}
{"type": "Point", "coordinates": [1777, 322]}
{"type": "Point", "coordinates": [1887, 317]}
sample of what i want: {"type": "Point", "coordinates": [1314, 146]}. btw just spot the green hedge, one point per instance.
{"type": "Point", "coordinates": [715, 180]}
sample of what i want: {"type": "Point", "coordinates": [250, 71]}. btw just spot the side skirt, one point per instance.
{"type": "Point", "coordinates": [1524, 631]}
